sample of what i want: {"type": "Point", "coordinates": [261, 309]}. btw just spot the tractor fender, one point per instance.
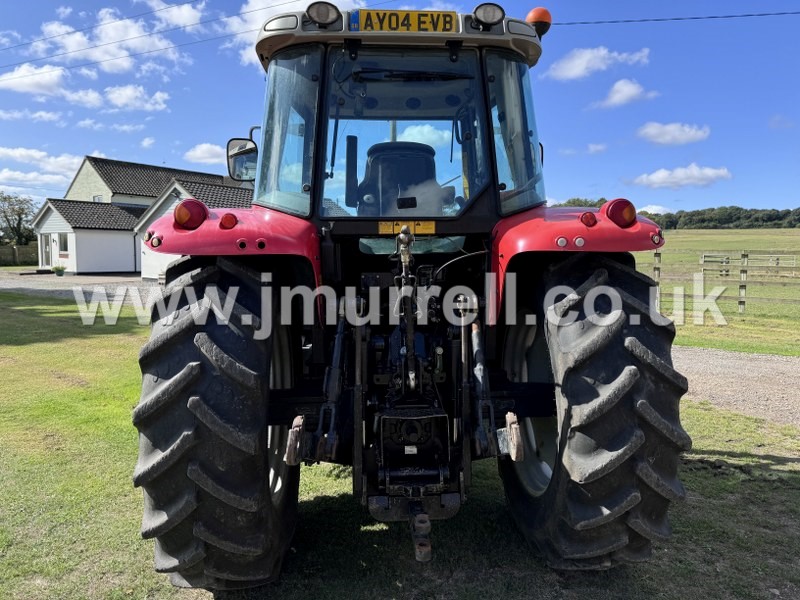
{"type": "Point", "coordinates": [560, 229]}
{"type": "Point", "coordinates": [258, 231]}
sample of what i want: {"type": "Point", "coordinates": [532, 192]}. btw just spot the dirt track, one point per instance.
{"type": "Point", "coordinates": [760, 385]}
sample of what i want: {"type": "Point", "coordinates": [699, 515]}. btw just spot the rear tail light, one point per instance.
{"type": "Point", "coordinates": [621, 212]}
{"type": "Point", "coordinates": [190, 214]}
{"type": "Point", "coordinates": [228, 221]}
{"type": "Point", "coordinates": [589, 219]}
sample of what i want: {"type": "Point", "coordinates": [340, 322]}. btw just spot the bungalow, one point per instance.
{"type": "Point", "coordinates": [213, 195]}
{"type": "Point", "coordinates": [88, 238]}
{"type": "Point", "coordinates": [92, 229]}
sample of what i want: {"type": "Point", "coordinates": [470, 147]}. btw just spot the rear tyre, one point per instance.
{"type": "Point", "coordinates": [219, 500]}
{"type": "Point", "coordinates": [597, 479]}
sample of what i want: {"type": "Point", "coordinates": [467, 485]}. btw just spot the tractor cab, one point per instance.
{"type": "Point", "coordinates": [381, 114]}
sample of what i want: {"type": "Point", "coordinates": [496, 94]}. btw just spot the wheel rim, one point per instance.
{"type": "Point", "coordinates": [526, 359]}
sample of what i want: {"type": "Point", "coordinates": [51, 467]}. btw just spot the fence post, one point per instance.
{"type": "Point", "coordinates": [14, 255]}
{"type": "Point", "coordinates": [743, 282]}
{"type": "Point", "coordinates": [657, 277]}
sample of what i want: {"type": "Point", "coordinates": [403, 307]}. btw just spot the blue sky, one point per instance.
{"type": "Point", "coordinates": [678, 115]}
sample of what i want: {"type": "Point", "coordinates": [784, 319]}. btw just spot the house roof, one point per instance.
{"type": "Point", "coordinates": [135, 179]}
{"type": "Point", "coordinates": [217, 195]}
{"type": "Point", "coordinates": [97, 215]}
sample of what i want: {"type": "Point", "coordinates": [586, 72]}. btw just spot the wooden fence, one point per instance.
{"type": "Point", "coordinates": [19, 255]}
{"type": "Point", "coordinates": [739, 268]}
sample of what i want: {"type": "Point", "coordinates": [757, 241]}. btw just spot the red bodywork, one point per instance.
{"type": "Point", "coordinates": [258, 231]}
{"type": "Point", "coordinates": [261, 231]}
{"type": "Point", "coordinates": [539, 229]}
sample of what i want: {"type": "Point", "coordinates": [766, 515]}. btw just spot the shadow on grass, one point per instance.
{"type": "Point", "coordinates": [734, 512]}
{"type": "Point", "coordinates": [340, 552]}
{"type": "Point", "coordinates": [36, 319]}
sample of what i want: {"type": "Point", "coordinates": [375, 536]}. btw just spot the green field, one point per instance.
{"type": "Point", "coordinates": [69, 515]}
{"type": "Point", "coordinates": [768, 326]}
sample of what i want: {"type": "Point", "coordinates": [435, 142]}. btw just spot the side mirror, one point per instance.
{"type": "Point", "coordinates": [242, 159]}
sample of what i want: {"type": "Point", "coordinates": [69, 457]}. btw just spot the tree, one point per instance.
{"type": "Point", "coordinates": [16, 214]}
{"type": "Point", "coordinates": [583, 202]}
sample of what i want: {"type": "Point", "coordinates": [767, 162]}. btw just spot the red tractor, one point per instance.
{"type": "Point", "coordinates": [400, 299]}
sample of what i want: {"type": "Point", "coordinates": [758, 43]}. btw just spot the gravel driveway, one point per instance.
{"type": "Point", "coordinates": [61, 287]}
{"type": "Point", "coordinates": [760, 385]}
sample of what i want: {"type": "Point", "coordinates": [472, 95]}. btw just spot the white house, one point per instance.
{"type": "Point", "coordinates": [153, 264]}
{"type": "Point", "coordinates": [92, 229]}
{"type": "Point", "coordinates": [88, 238]}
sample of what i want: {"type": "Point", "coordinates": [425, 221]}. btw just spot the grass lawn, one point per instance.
{"type": "Point", "coordinates": [769, 327]}
{"type": "Point", "coordinates": [18, 268]}
{"type": "Point", "coordinates": [69, 516]}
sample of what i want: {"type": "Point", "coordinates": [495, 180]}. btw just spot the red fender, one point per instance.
{"type": "Point", "coordinates": [540, 230]}
{"type": "Point", "coordinates": [258, 231]}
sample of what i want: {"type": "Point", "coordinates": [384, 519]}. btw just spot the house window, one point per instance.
{"type": "Point", "coordinates": [63, 245]}
{"type": "Point", "coordinates": [97, 198]}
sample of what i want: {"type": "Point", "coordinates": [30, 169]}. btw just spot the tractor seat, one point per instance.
{"type": "Point", "coordinates": [400, 170]}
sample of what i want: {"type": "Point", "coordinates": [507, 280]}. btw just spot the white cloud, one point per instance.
{"type": "Point", "coordinates": [9, 37]}
{"type": "Point", "coordinates": [47, 81]}
{"type": "Point", "coordinates": [63, 12]}
{"type": "Point", "coordinates": [623, 92]}
{"type": "Point", "coordinates": [127, 127]}
{"type": "Point", "coordinates": [87, 98]}
{"type": "Point", "coordinates": [582, 62]}
{"type": "Point", "coordinates": [64, 164]}
{"type": "Point", "coordinates": [187, 15]}
{"type": "Point", "coordinates": [53, 173]}
{"type": "Point", "coordinates": [683, 176]}
{"type": "Point", "coordinates": [29, 79]}
{"type": "Point", "coordinates": [115, 39]}
{"type": "Point", "coordinates": [88, 73]}
{"type": "Point", "coordinates": [207, 154]}
{"type": "Point", "coordinates": [673, 134]}
{"type": "Point", "coordinates": [90, 124]}
{"type": "Point", "coordinates": [154, 69]}
{"type": "Point", "coordinates": [134, 97]}
{"type": "Point", "coordinates": [655, 209]}
{"type": "Point", "coordinates": [425, 134]}
{"type": "Point", "coordinates": [596, 148]}
{"type": "Point", "coordinates": [32, 178]}
{"type": "Point", "coordinates": [147, 142]}
{"type": "Point", "coordinates": [41, 116]}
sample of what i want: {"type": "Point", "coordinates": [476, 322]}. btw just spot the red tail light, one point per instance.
{"type": "Point", "coordinates": [190, 214]}
{"type": "Point", "coordinates": [621, 212]}
{"type": "Point", "coordinates": [228, 221]}
{"type": "Point", "coordinates": [589, 219]}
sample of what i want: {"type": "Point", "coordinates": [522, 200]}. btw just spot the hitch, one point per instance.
{"type": "Point", "coordinates": [421, 536]}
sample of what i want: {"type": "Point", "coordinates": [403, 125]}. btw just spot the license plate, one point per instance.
{"type": "Point", "coordinates": [432, 21]}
